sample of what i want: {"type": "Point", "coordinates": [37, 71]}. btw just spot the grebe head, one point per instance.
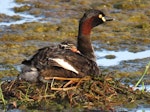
{"type": "Point", "coordinates": [94, 18]}
{"type": "Point", "coordinates": [90, 19]}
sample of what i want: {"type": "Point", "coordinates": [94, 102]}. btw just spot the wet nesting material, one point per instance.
{"type": "Point", "coordinates": [100, 93]}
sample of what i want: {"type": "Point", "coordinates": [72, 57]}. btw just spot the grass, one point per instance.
{"type": "Point", "coordinates": [2, 96]}
{"type": "Point", "coordinates": [145, 72]}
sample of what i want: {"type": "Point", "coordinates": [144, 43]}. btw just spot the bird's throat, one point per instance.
{"type": "Point", "coordinates": [84, 44]}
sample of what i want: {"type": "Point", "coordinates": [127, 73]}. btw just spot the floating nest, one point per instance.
{"type": "Point", "coordinates": [99, 93]}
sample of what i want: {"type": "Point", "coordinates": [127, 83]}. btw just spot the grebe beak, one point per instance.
{"type": "Point", "coordinates": [109, 19]}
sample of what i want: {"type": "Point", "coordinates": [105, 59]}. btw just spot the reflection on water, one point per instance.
{"type": "Point", "coordinates": [120, 56]}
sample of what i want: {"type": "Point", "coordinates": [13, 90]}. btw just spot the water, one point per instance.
{"type": "Point", "coordinates": [120, 56]}
{"type": "Point", "coordinates": [6, 8]}
{"type": "Point", "coordinates": [140, 87]}
{"type": "Point", "coordinates": [138, 109]}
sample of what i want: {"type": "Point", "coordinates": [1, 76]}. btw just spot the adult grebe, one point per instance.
{"type": "Point", "coordinates": [65, 60]}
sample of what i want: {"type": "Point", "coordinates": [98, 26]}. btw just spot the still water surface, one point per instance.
{"type": "Point", "coordinates": [119, 56]}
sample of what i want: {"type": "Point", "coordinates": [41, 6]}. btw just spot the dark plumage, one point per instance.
{"type": "Point", "coordinates": [65, 60]}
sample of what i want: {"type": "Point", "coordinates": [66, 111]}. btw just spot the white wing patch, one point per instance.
{"type": "Point", "coordinates": [64, 64]}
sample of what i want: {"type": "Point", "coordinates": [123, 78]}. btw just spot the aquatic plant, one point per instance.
{"type": "Point", "coordinates": [22, 8]}
{"type": "Point", "coordinates": [145, 72]}
{"type": "Point", "coordinates": [2, 96]}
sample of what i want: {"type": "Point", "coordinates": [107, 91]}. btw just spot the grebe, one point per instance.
{"type": "Point", "coordinates": [65, 60]}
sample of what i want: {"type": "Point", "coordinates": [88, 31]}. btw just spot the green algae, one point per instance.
{"type": "Point", "coordinates": [110, 56]}
{"type": "Point", "coordinates": [6, 18]}
{"type": "Point", "coordinates": [19, 1]}
{"type": "Point", "coordinates": [131, 4]}
{"type": "Point", "coordinates": [14, 52]}
{"type": "Point", "coordinates": [8, 70]}
{"type": "Point", "coordinates": [22, 8]}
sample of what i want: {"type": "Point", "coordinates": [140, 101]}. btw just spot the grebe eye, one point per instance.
{"type": "Point", "coordinates": [100, 16]}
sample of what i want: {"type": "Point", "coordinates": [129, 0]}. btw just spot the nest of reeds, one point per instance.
{"type": "Point", "coordinates": [102, 93]}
